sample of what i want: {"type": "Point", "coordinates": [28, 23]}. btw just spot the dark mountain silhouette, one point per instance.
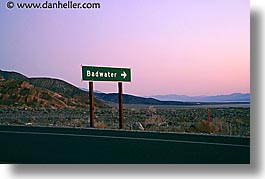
{"type": "Point", "coordinates": [130, 99]}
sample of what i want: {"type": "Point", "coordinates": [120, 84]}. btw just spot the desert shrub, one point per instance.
{"type": "Point", "coordinates": [205, 127]}
{"type": "Point", "coordinates": [153, 121]}
{"type": "Point", "coordinates": [101, 124]}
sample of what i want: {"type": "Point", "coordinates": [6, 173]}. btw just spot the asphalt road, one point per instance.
{"type": "Point", "coordinates": [22, 144]}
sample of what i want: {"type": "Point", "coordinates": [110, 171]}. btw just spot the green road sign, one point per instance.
{"type": "Point", "coordinates": [91, 73]}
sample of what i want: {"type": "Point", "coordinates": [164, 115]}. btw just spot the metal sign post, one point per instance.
{"type": "Point", "coordinates": [91, 106]}
{"type": "Point", "coordinates": [121, 119]}
{"type": "Point", "coordinates": [92, 73]}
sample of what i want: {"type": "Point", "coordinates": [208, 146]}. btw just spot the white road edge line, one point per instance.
{"type": "Point", "coordinates": [127, 138]}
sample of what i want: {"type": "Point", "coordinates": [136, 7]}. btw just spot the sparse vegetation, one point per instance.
{"type": "Point", "coordinates": [101, 124]}
{"type": "Point", "coordinates": [224, 121]}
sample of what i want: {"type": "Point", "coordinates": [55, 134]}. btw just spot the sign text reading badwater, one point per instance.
{"type": "Point", "coordinates": [92, 73]}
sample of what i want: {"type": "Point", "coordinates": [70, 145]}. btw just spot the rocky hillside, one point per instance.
{"type": "Point", "coordinates": [17, 93]}
{"type": "Point", "coordinates": [56, 85]}
{"type": "Point", "coordinates": [16, 89]}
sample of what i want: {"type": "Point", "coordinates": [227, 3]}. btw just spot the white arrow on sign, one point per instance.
{"type": "Point", "coordinates": [123, 74]}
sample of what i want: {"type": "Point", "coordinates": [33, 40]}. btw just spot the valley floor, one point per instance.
{"type": "Point", "coordinates": [228, 121]}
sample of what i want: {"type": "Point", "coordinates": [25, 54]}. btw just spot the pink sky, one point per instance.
{"type": "Point", "coordinates": [191, 47]}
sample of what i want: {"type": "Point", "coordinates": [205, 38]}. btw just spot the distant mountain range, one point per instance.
{"type": "Point", "coordinates": [234, 97]}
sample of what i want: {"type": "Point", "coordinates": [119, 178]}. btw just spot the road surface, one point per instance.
{"type": "Point", "coordinates": [24, 144]}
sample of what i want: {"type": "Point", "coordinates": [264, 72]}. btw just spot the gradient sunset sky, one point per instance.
{"type": "Point", "coordinates": [189, 47]}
